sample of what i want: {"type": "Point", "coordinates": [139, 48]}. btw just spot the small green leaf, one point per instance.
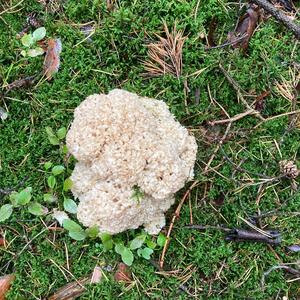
{"type": "Point", "coordinates": [126, 253]}
{"type": "Point", "coordinates": [137, 193]}
{"type": "Point", "coordinates": [71, 225]}
{"type": "Point", "coordinates": [50, 198]}
{"type": "Point", "coordinates": [92, 232]}
{"type": "Point", "coordinates": [48, 165]}
{"type": "Point", "coordinates": [70, 206]}
{"type": "Point", "coordinates": [5, 212]}
{"type": "Point", "coordinates": [119, 248]}
{"type": "Point", "coordinates": [68, 183]}
{"type": "Point", "coordinates": [53, 139]}
{"type": "Point", "coordinates": [146, 252]}
{"type": "Point", "coordinates": [65, 149]}
{"type": "Point", "coordinates": [137, 242]}
{"type": "Point", "coordinates": [39, 34]}
{"type": "Point", "coordinates": [12, 198]}
{"type": "Point", "coordinates": [150, 244]}
{"type": "Point", "coordinates": [35, 52]}
{"type": "Point", "coordinates": [56, 170]}
{"type": "Point", "coordinates": [24, 53]}
{"type": "Point", "coordinates": [127, 256]}
{"type": "Point", "coordinates": [51, 180]}
{"type": "Point", "coordinates": [77, 235]}
{"type": "Point", "coordinates": [37, 209]}
{"type": "Point", "coordinates": [27, 40]}
{"type": "Point", "coordinates": [75, 230]}
{"type": "Point", "coordinates": [61, 133]}
{"type": "Point", "coordinates": [23, 197]}
{"type": "Point", "coordinates": [161, 240]}
{"type": "Point", "coordinates": [107, 241]}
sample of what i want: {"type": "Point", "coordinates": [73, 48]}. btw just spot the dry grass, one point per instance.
{"type": "Point", "coordinates": [165, 56]}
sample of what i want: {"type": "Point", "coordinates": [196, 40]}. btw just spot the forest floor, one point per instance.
{"type": "Point", "coordinates": [239, 173]}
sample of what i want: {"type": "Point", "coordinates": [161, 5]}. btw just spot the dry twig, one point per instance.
{"type": "Point", "coordinates": [280, 16]}
{"type": "Point", "coordinates": [175, 216]}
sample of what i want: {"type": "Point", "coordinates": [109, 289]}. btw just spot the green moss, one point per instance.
{"type": "Point", "coordinates": [114, 60]}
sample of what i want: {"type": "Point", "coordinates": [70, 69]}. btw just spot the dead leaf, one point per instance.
{"type": "Point", "coordinates": [219, 200]}
{"type": "Point", "coordinates": [260, 101]}
{"type": "Point", "coordinates": [123, 274]}
{"type": "Point", "coordinates": [246, 26]}
{"type": "Point", "coordinates": [52, 58]}
{"type": "Point", "coordinates": [211, 31]}
{"type": "Point", "coordinates": [97, 275]}
{"type": "Point", "coordinates": [2, 241]}
{"type": "Point", "coordinates": [294, 248]}
{"type": "Point", "coordinates": [5, 283]}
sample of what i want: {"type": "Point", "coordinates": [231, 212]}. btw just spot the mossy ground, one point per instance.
{"type": "Point", "coordinates": [215, 269]}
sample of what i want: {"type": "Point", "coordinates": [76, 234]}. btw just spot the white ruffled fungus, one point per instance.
{"type": "Point", "coordinates": [124, 142]}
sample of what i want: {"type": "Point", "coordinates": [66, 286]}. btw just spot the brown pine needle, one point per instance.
{"type": "Point", "coordinates": [165, 56]}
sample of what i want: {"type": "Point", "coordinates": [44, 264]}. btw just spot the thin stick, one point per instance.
{"type": "Point", "coordinates": [228, 43]}
{"type": "Point", "coordinates": [175, 216]}
{"type": "Point", "coordinates": [278, 15]}
{"type": "Point", "coordinates": [235, 118]}
{"type": "Point", "coordinates": [278, 116]}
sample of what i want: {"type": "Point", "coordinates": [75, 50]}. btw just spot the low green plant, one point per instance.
{"type": "Point", "coordinates": [137, 193]}
{"type": "Point", "coordinates": [22, 199]}
{"type": "Point", "coordinates": [29, 42]}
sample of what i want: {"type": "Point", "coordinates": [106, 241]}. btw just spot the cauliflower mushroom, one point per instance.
{"type": "Point", "coordinates": [124, 142]}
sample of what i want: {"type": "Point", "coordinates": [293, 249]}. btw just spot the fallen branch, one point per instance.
{"type": "Point", "coordinates": [280, 16]}
{"type": "Point", "coordinates": [175, 216]}
{"type": "Point", "coordinates": [242, 235]}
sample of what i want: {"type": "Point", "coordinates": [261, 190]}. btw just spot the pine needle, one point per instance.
{"type": "Point", "coordinates": [165, 56]}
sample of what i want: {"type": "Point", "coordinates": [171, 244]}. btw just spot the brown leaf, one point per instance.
{"type": "Point", "coordinates": [123, 274]}
{"type": "Point", "coordinates": [2, 241]}
{"type": "Point", "coordinates": [246, 26]}
{"type": "Point", "coordinates": [211, 31]}
{"type": "Point", "coordinates": [5, 283]}
{"type": "Point", "coordinates": [71, 290]}
{"type": "Point", "coordinates": [219, 200]}
{"type": "Point", "coordinates": [260, 101]}
{"type": "Point", "coordinates": [52, 58]}
{"type": "Point", "coordinates": [97, 275]}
